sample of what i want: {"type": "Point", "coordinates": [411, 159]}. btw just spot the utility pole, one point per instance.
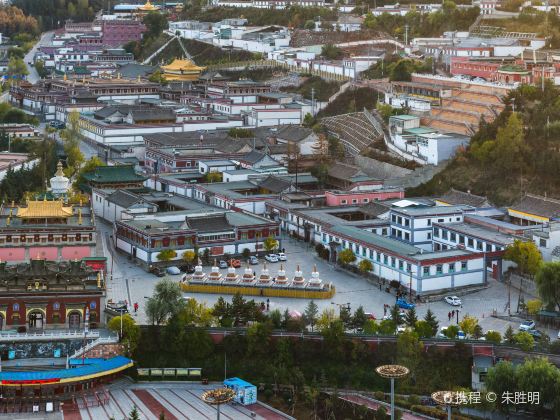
{"type": "Point", "coordinates": [406, 34]}
{"type": "Point", "coordinates": [313, 102]}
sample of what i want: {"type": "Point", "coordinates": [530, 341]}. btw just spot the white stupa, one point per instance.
{"type": "Point", "coordinates": [298, 279]}
{"type": "Point", "coordinates": [248, 276]}
{"type": "Point", "coordinates": [231, 274]}
{"type": "Point", "coordinates": [59, 184]}
{"type": "Point", "coordinates": [215, 274]}
{"type": "Point", "coordinates": [264, 277]}
{"type": "Point", "coordinates": [198, 275]}
{"type": "Point", "coordinates": [281, 278]}
{"type": "Point", "coordinates": [315, 281]}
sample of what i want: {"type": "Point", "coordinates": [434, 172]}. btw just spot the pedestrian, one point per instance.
{"type": "Point", "coordinates": [449, 316]}
{"type": "Point", "coordinates": [254, 274]}
{"type": "Point", "coordinates": [453, 312]}
{"type": "Point", "coordinates": [267, 304]}
{"type": "Point", "coordinates": [379, 286]}
{"type": "Point", "coordinates": [135, 307]}
{"type": "Point", "coordinates": [384, 309]}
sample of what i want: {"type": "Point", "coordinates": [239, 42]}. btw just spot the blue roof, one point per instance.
{"type": "Point", "coordinates": [237, 382]}
{"type": "Point", "coordinates": [96, 368]}
{"type": "Point", "coordinates": [86, 361]}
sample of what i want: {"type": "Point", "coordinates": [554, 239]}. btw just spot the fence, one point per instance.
{"type": "Point", "coordinates": [169, 372]}
{"type": "Point", "coordinates": [259, 291]}
{"type": "Point", "coordinates": [46, 336]}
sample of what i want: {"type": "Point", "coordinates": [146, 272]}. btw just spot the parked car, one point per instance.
{"type": "Point", "coordinates": [157, 271]}
{"type": "Point", "coordinates": [402, 303]}
{"type": "Point", "coordinates": [536, 334]}
{"type": "Point", "coordinates": [223, 264]}
{"type": "Point", "coordinates": [402, 315]}
{"type": "Point", "coordinates": [527, 325]}
{"type": "Point", "coordinates": [453, 300]}
{"type": "Point", "coordinates": [271, 258]}
{"type": "Point", "coordinates": [235, 263]}
{"type": "Point", "coordinates": [173, 270]}
{"type": "Point", "coordinates": [281, 256]}
{"type": "Point", "coordinates": [460, 334]}
{"type": "Point", "coordinates": [253, 260]}
{"type": "Point", "coordinates": [57, 124]}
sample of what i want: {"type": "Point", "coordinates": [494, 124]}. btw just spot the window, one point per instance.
{"type": "Point", "coordinates": [470, 242]}
{"type": "Point", "coordinates": [407, 222]}
{"type": "Point", "coordinates": [426, 271]}
{"type": "Point", "coordinates": [462, 239]}
{"type": "Point", "coordinates": [384, 232]}
{"type": "Point", "coordinates": [354, 201]}
{"type": "Point", "coordinates": [370, 254]}
{"type": "Point", "coordinates": [378, 257]}
{"type": "Point", "coordinates": [56, 306]}
{"type": "Point", "coordinates": [408, 267]}
{"type": "Point", "coordinates": [444, 234]}
{"type": "Point", "coordinates": [439, 269]}
{"type": "Point", "coordinates": [451, 267]}
{"type": "Point", "coordinates": [366, 200]}
{"type": "Point", "coordinates": [436, 232]}
{"type": "Point", "coordinates": [543, 242]}
{"type": "Point", "coordinates": [343, 202]}
{"type": "Point", "coordinates": [407, 236]}
{"type": "Point", "coordinates": [93, 305]}
{"type": "Point", "coordinates": [392, 261]}
{"type": "Point", "coordinates": [385, 259]}
{"type": "Point", "coordinates": [488, 247]}
{"type": "Point", "coordinates": [429, 222]}
{"type": "Point", "coordinates": [479, 245]}
{"type": "Point", "coordinates": [15, 307]}
{"type": "Point", "coordinates": [458, 219]}
{"type": "Point", "coordinates": [393, 218]}
{"type": "Point", "coordinates": [363, 252]}
{"type": "Point", "coordinates": [401, 265]}
{"type": "Point", "coordinates": [453, 237]}
{"type": "Point", "coordinates": [440, 220]}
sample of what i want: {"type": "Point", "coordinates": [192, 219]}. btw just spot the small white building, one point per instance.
{"type": "Point", "coordinates": [208, 166]}
{"type": "Point", "coordinates": [260, 117]}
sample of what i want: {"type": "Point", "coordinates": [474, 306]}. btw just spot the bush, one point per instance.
{"type": "Point", "coordinates": [379, 395]}
{"type": "Point", "coordinates": [319, 248]}
{"type": "Point", "coordinates": [246, 253]}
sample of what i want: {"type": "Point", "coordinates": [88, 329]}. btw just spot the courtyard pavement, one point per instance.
{"type": "Point", "coordinates": [132, 283]}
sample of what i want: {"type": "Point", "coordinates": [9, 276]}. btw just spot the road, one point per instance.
{"type": "Point", "coordinates": [33, 76]}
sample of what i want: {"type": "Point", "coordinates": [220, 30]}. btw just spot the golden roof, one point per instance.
{"type": "Point", "coordinates": [148, 6]}
{"type": "Point", "coordinates": [182, 64]}
{"type": "Point", "coordinates": [42, 209]}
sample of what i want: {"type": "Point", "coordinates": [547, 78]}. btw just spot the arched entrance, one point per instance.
{"type": "Point", "coordinates": [74, 320]}
{"type": "Point", "coordinates": [36, 319]}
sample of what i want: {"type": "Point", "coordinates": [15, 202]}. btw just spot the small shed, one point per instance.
{"type": "Point", "coordinates": [245, 393]}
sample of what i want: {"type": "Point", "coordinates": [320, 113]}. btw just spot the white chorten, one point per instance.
{"type": "Point", "coordinates": [59, 183]}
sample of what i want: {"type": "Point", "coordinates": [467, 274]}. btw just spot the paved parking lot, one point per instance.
{"type": "Point", "coordinates": [132, 283]}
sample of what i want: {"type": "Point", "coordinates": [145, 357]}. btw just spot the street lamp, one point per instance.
{"type": "Point", "coordinates": [218, 397]}
{"type": "Point", "coordinates": [445, 398]}
{"type": "Point", "coordinates": [392, 372]}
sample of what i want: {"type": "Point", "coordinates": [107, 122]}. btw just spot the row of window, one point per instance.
{"type": "Point", "coordinates": [465, 240]}
{"type": "Point", "coordinates": [56, 306]}
{"type": "Point", "coordinates": [78, 237]}
{"type": "Point", "coordinates": [355, 201]}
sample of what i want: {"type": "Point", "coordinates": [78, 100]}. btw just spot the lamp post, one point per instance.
{"type": "Point", "coordinates": [445, 398]}
{"type": "Point", "coordinates": [218, 397]}
{"type": "Point", "coordinates": [392, 372]}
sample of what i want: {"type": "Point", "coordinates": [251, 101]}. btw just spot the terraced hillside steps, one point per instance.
{"type": "Point", "coordinates": [354, 130]}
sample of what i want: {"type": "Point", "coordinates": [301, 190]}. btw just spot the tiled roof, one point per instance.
{"type": "Point", "coordinates": [274, 184]}
{"type": "Point", "coordinates": [293, 133]}
{"type": "Point", "coordinates": [456, 197]}
{"type": "Point", "coordinates": [375, 209]}
{"type": "Point", "coordinates": [344, 171]}
{"type": "Point", "coordinates": [538, 205]}
{"type": "Point", "coordinates": [40, 209]}
{"type": "Point", "coordinates": [123, 198]}
{"type": "Point", "coordinates": [152, 114]}
{"type": "Point", "coordinates": [214, 223]}
{"type": "Point", "coordinates": [110, 174]}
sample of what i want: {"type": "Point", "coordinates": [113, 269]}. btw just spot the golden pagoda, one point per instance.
{"type": "Point", "coordinates": [148, 7]}
{"type": "Point", "coordinates": [44, 210]}
{"type": "Point", "coordinates": [182, 70]}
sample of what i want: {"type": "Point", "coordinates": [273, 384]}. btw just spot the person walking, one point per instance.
{"type": "Point", "coordinates": [449, 316]}
{"type": "Point", "coordinates": [267, 304]}
{"type": "Point", "coordinates": [135, 307]}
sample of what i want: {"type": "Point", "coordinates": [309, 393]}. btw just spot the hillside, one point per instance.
{"type": "Point", "coordinates": [518, 152]}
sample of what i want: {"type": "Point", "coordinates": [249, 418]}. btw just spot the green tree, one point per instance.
{"type": "Point", "coordinates": [166, 302]}
{"type": "Point", "coordinates": [90, 166]}
{"type": "Point", "coordinates": [133, 415]}
{"type": "Point", "coordinates": [423, 329]}
{"type": "Point", "coordinates": [270, 244]}
{"type": "Point", "coordinates": [526, 255]}
{"type": "Point", "coordinates": [511, 149]}
{"type": "Point", "coordinates": [534, 305]}
{"type": "Point", "coordinates": [155, 23]}
{"type": "Point", "coordinates": [166, 255]}
{"type": "Point", "coordinates": [540, 376]}
{"type": "Point", "coordinates": [411, 318]}
{"type": "Point", "coordinates": [493, 337]}
{"type": "Point", "coordinates": [365, 266]}
{"type": "Point", "coordinates": [258, 339]}
{"type": "Point", "coordinates": [131, 331]}
{"type": "Point", "coordinates": [359, 318]}
{"type": "Point", "coordinates": [16, 68]}
{"type": "Point", "coordinates": [309, 25]}
{"type": "Point", "coordinates": [548, 284]}
{"type": "Point", "coordinates": [310, 314]}
{"type": "Point", "coordinates": [525, 340]}
{"type": "Point", "coordinates": [331, 52]}
{"type": "Point", "coordinates": [500, 379]}
{"type": "Point", "coordinates": [468, 324]}
{"type": "Point", "coordinates": [194, 313]}
{"type": "Point", "coordinates": [71, 137]}
{"type": "Point", "coordinates": [509, 335]}
{"type": "Point", "coordinates": [432, 321]}
{"type": "Point", "coordinates": [452, 331]}
{"type": "Point", "coordinates": [477, 332]}
{"type": "Point", "coordinates": [333, 339]}
{"type": "Point", "coordinates": [409, 350]}
{"type": "Point", "coordinates": [402, 71]}
{"type": "Point", "coordinates": [387, 327]}
{"type": "Point", "coordinates": [396, 315]}
{"type": "Point", "coordinates": [371, 327]}
{"type": "Point", "coordinates": [346, 256]}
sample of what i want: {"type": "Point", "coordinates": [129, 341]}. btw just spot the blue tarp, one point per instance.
{"type": "Point", "coordinates": [96, 368]}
